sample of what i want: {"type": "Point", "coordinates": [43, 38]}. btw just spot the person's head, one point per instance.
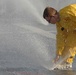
{"type": "Point", "coordinates": [51, 15]}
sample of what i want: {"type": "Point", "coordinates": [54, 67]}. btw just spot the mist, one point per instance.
{"type": "Point", "coordinates": [26, 39]}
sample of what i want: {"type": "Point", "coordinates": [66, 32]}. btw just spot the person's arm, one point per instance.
{"type": "Point", "coordinates": [60, 41]}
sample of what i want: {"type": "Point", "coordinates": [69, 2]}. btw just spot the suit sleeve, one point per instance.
{"type": "Point", "coordinates": [60, 39]}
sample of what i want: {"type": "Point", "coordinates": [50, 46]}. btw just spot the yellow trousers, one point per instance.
{"type": "Point", "coordinates": [69, 51]}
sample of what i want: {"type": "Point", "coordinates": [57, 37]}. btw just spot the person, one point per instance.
{"type": "Point", "coordinates": [65, 20]}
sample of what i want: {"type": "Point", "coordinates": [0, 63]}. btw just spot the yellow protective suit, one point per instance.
{"type": "Point", "coordinates": [66, 33]}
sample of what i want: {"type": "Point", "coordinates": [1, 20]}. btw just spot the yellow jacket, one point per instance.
{"type": "Point", "coordinates": [66, 29]}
